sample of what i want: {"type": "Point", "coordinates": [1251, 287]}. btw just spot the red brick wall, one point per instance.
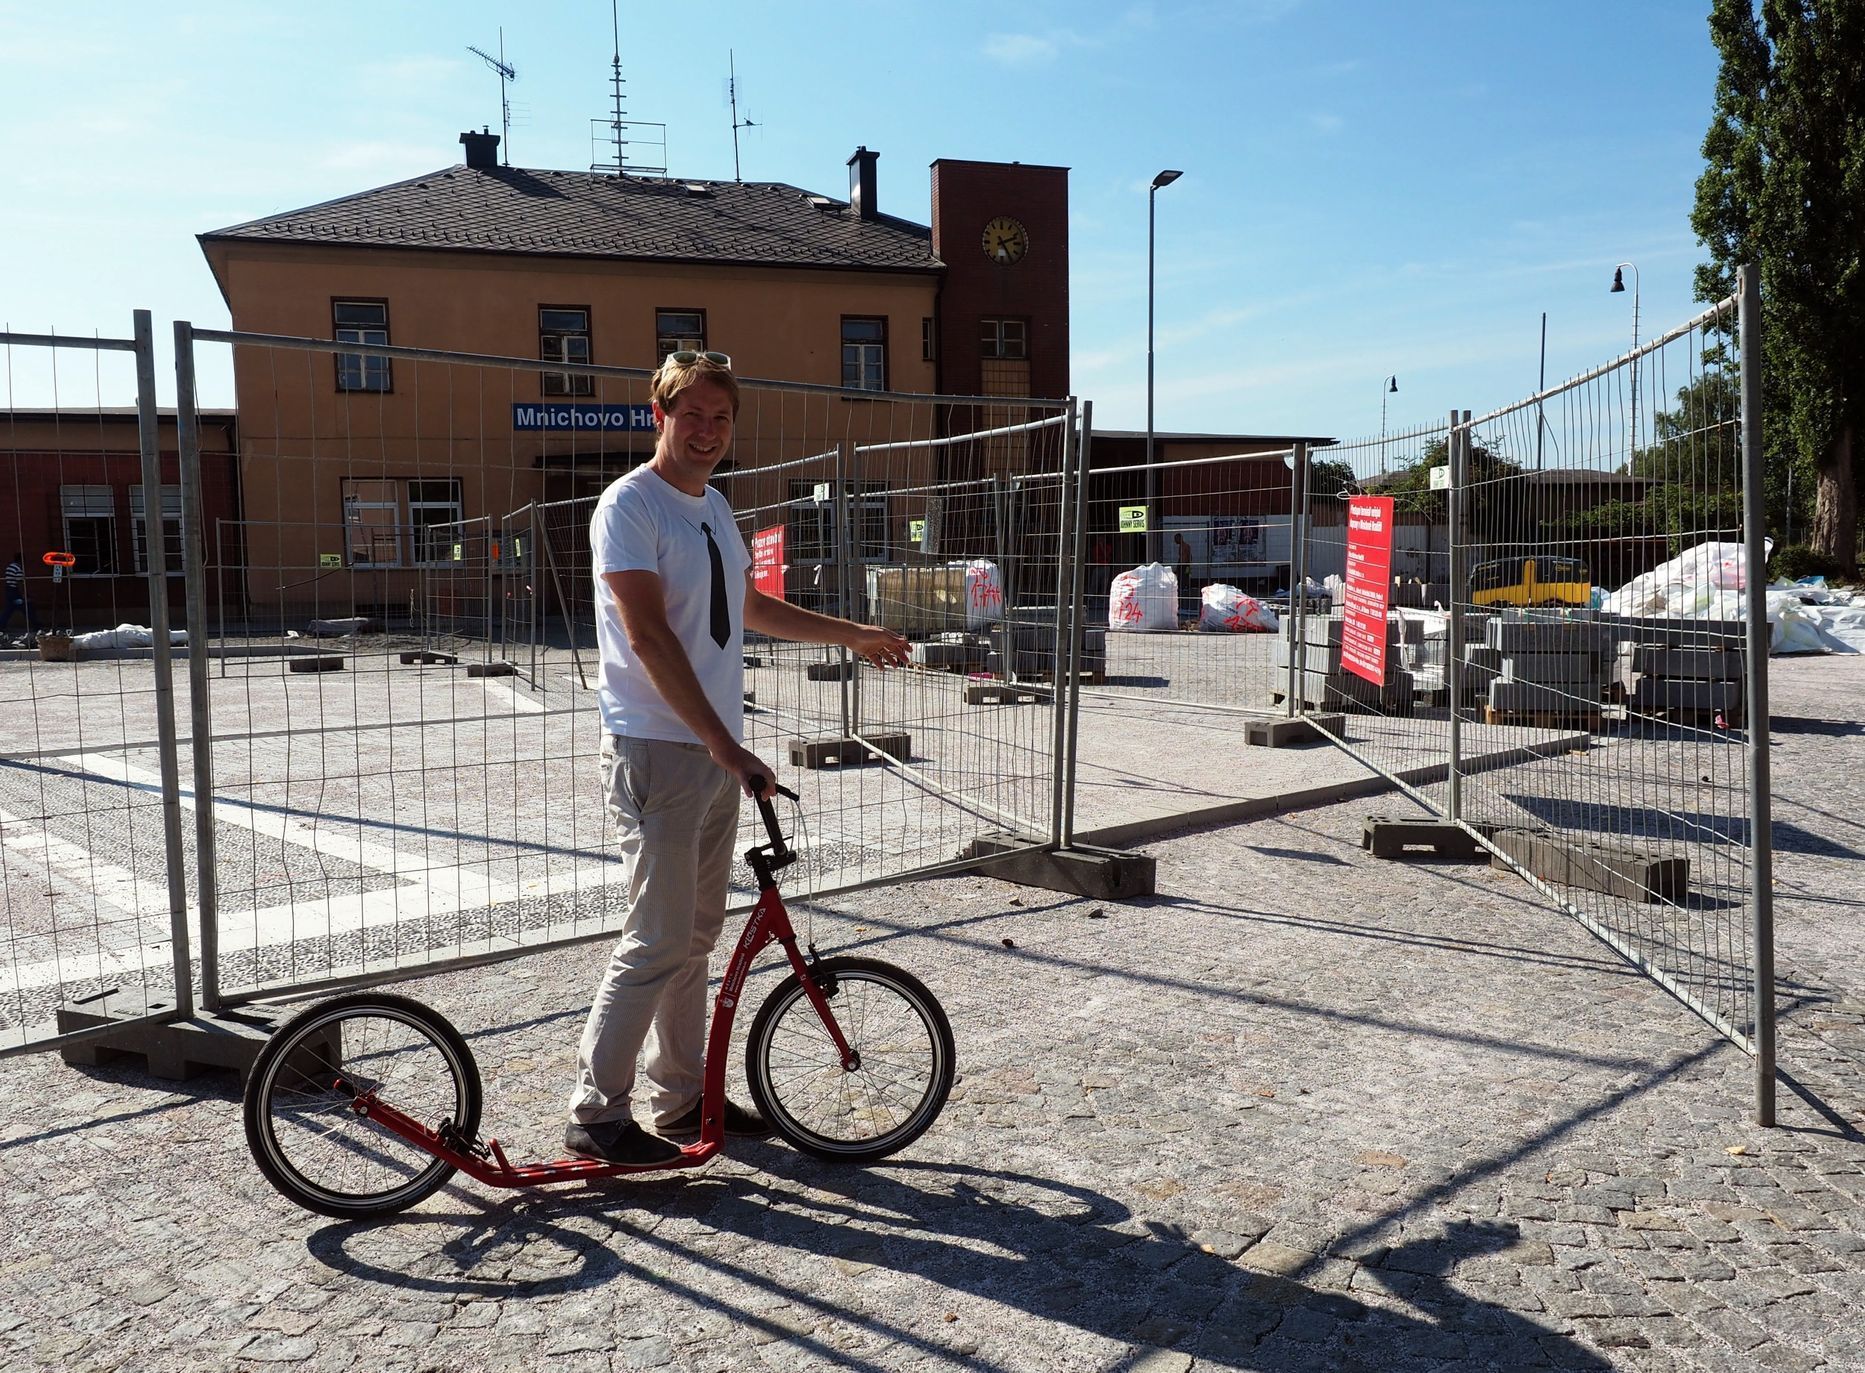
{"type": "Point", "coordinates": [38, 456]}
{"type": "Point", "coordinates": [965, 197]}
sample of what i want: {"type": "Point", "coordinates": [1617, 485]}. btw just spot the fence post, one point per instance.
{"type": "Point", "coordinates": [1065, 662]}
{"type": "Point", "coordinates": [1082, 469]}
{"type": "Point", "coordinates": [1458, 451]}
{"type": "Point", "coordinates": [1295, 701]}
{"type": "Point", "coordinates": [157, 555]}
{"type": "Point", "coordinates": [845, 554]}
{"type": "Point", "coordinates": [201, 731]}
{"type": "Point", "coordinates": [1755, 590]}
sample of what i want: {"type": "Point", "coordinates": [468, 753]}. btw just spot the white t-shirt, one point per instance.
{"type": "Point", "coordinates": [643, 523]}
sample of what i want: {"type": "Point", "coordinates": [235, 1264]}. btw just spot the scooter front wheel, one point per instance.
{"type": "Point", "coordinates": [888, 1098]}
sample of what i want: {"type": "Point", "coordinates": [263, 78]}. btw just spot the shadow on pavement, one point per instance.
{"type": "Point", "coordinates": [1063, 1254]}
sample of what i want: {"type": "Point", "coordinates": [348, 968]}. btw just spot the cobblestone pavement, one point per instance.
{"type": "Point", "coordinates": [1303, 1110]}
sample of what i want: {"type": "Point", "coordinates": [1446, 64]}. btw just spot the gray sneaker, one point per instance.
{"type": "Point", "coordinates": [619, 1141]}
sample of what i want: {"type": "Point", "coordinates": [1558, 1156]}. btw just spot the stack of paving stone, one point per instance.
{"type": "Point", "coordinates": [1690, 671]}
{"type": "Point", "coordinates": [1547, 671]}
{"type": "Point", "coordinates": [952, 652]}
{"type": "Point", "coordinates": [1024, 645]}
{"type": "Point", "coordinates": [1324, 683]}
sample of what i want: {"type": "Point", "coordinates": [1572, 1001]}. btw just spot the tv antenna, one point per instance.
{"type": "Point", "coordinates": [731, 90]}
{"type": "Point", "coordinates": [507, 73]}
{"type": "Point", "coordinates": [619, 127]}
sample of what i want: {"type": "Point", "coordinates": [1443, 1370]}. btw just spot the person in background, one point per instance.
{"type": "Point", "coordinates": [16, 602]}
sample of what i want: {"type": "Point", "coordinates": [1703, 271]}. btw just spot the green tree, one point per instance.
{"type": "Point", "coordinates": [1784, 187]}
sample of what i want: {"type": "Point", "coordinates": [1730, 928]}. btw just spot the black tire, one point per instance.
{"type": "Point", "coordinates": [797, 1078]}
{"type": "Point", "coordinates": [304, 1135]}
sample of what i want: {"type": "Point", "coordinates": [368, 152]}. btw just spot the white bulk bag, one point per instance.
{"type": "Point", "coordinates": [984, 594]}
{"type": "Point", "coordinates": [1225, 609]}
{"type": "Point", "coordinates": [1144, 598]}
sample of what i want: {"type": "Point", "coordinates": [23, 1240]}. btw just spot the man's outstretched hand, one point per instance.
{"type": "Point", "coordinates": [878, 645]}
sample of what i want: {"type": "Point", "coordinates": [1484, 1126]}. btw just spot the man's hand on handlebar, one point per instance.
{"type": "Point", "coordinates": [752, 772]}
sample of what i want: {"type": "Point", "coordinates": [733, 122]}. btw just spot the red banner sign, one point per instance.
{"type": "Point", "coordinates": [767, 561]}
{"type": "Point", "coordinates": [1368, 589]}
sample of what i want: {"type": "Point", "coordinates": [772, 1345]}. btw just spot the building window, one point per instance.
{"type": "Point", "coordinates": [563, 336]}
{"type": "Point", "coordinates": [170, 516]}
{"type": "Point", "coordinates": [361, 321]}
{"type": "Point", "coordinates": [90, 515]}
{"type": "Point", "coordinates": [371, 522]}
{"type": "Point", "coordinates": [864, 353]}
{"type": "Point", "coordinates": [434, 515]}
{"type": "Point", "coordinates": [678, 329]}
{"type": "Point", "coordinates": [929, 341]}
{"type": "Point", "coordinates": [1004, 338]}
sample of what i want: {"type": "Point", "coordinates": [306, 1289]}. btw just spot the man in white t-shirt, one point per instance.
{"type": "Point", "coordinates": [673, 600]}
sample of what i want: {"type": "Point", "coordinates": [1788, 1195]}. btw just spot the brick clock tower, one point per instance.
{"type": "Point", "coordinates": [1001, 229]}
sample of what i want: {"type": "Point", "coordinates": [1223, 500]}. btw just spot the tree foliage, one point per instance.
{"type": "Point", "coordinates": [1783, 187]}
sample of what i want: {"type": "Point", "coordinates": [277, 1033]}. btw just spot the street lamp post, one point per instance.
{"type": "Point", "coordinates": [1618, 286]}
{"type": "Point", "coordinates": [1165, 178]}
{"type": "Point", "coordinates": [1387, 386]}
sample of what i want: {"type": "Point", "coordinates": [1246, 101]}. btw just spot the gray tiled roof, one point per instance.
{"type": "Point", "coordinates": [585, 214]}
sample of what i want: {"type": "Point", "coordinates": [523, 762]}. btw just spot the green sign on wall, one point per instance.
{"type": "Point", "coordinates": [1133, 519]}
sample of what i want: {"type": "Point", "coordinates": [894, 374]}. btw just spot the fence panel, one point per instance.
{"type": "Point", "coordinates": [1648, 835]}
{"type": "Point", "coordinates": [1574, 652]}
{"type": "Point", "coordinates": [418, 788]}
{"type": "Point", "coordinates": [93, 898]}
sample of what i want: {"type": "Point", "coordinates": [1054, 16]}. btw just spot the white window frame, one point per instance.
{"type": "Point", "coordinates": [670, 340]}
{"type": "Point", "coordinates": [355, 371]}
{"type": "Point", "coordinates": [87, 503]}
{"type": "Point", "coordinates": [564, 344]}
{"type": "Point", "coordinates": [453, 507]}
{"type": "Point", "coordinates": [362, 538]}
{"type": "Point", "coordinates": [1004, 339]}
{"type": "Point", "coordinates": [174, 550]}
{"type": "Point", "coordinates": [867, 356]}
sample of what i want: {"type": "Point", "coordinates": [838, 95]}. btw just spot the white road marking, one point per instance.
{"type": "Point", "coordinates": [423, 889]}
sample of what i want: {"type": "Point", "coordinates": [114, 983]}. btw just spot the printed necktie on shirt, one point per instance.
{"type": "Point", "coordinates": [721, 616]}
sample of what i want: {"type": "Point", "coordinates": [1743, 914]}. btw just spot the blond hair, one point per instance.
{"type": "Point", "coordinates": [672, 378]}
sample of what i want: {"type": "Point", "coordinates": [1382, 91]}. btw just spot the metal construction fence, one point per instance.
{"type": "Point", "coordinates": [1581, 641]}
{"type": "Point", "coordinates": [93, 891]}
{"type": "Point", "coordinates": [1542, 623]}
{"type": "Point", "coordinates": [399, 687]}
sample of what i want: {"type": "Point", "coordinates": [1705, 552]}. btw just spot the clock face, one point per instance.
{"type": "Point", "coordinates": [1005, 240]}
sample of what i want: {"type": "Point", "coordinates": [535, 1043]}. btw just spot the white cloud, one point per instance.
{"type": "Point", "coordinates": [1020, 49]}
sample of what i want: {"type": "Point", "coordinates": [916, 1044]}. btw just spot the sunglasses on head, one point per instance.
{"type": "Point", "coordinates": [686, 357]}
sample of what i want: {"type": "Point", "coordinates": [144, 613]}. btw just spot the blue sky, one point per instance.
{"type": "Point", "coordinates": [1369, 188]}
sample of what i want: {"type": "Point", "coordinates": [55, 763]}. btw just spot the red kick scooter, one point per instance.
{"type": "Point", "coordinates": [364, 1104]}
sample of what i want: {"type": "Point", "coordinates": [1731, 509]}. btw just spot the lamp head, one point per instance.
{"type": "Point", "coordinates": [1392, 385]}
{"type": "Point", "coordinates": [1166, 179]}
{"type": "Point", "coordinates": [1618, 280]}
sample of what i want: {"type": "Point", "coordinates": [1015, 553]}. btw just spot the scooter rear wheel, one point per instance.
{"type": "Point", "coordinates": [301, 1121]}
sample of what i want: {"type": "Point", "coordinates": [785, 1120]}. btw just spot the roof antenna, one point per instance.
{"type": "Point", "coordinates": [506, 73]}
{"type": "Point", "coordinates": [731, 88]}
{"type": "Point", "coordinates": [618, 126]}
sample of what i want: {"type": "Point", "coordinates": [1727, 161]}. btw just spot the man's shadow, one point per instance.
{"type": "Point", "coordinates": [1060, 1253]}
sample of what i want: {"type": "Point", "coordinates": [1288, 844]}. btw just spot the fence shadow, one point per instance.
{"type": "Point", "coordinates": [1059, 1253]}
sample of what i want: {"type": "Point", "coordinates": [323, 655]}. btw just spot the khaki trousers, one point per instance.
{"type": "Point", "coordinates": [675, 812]}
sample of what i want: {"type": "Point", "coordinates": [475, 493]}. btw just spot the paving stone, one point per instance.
{"type": "Point", "coordinates": [1292, 1114]}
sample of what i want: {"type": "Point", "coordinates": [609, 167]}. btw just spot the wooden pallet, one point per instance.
{"type": "Point", "coordinates": [1000, 693]}
{"type": "Point", "coordinates": [1543, 719]}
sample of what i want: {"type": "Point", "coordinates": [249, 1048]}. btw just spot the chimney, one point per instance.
{"type": "Point", "coordinates": [482, 149]}
{"type": "Point", "coordinates": [861, 183]}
